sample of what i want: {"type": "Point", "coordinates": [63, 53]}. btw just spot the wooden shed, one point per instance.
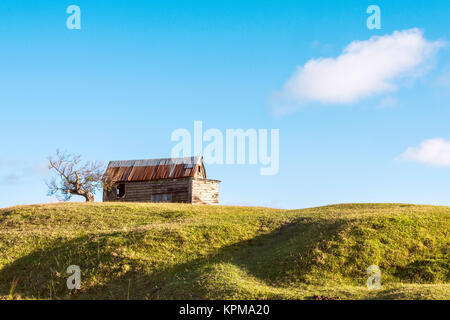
{"type": "Point", "coordinates": [160, 180]}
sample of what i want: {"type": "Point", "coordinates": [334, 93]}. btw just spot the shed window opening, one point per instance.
{"type": "Point", "coordinates": [120, 190]}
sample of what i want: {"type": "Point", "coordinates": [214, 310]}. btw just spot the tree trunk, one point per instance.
{"type": "Point", "coordinates": [83, 193]}
{"type": "Point", "coordinates": [89, 197]}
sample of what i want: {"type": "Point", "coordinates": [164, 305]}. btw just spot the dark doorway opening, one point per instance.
{"type": "Point", "coordinates": [120, 190]}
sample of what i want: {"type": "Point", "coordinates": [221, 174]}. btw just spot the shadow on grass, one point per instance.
{"type": "Point", "coordinates": [426, 270]}
{"type": "Point", "coordinates": [282, 256]}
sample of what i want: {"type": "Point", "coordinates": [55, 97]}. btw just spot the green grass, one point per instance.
{"type": "Point", "coordinates": [180, 251]}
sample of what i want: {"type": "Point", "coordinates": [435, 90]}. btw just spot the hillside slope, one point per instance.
{"type": "Point", "coordinates": [177, 251]}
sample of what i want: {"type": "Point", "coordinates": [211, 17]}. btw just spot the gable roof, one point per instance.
{"type": "Point", "coordinates": [154, 169]}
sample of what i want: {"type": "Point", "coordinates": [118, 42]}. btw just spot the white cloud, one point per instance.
{"type": "Point", "coordinates": [363, 69]}
{"type": "Point", "coordinates": [8, 163]}
{"type": "Point", "coordinates": [435, 152]}
{"type": "Point", "coordinates": [10, 179]}
{"type": "Point", "coordinates": [14, 171]}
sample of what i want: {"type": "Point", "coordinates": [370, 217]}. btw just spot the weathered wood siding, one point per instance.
{"type": "Point", "coordinates": [145, 191]}
{"type": "Point", "coordinates": [205, 191]}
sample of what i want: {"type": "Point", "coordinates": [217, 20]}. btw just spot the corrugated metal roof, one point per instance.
{"type": "Point", "coordinates": [154, 169]}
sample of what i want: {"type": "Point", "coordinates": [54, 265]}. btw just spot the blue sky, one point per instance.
{"type": "Point", "coordinates": [138, 70]}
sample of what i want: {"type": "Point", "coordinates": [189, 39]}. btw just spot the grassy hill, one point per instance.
{"type": "Point", "coordinates": [177, 251]}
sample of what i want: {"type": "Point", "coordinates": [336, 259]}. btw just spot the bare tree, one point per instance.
{"type": "Point", "coordinates": [72, 177]}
